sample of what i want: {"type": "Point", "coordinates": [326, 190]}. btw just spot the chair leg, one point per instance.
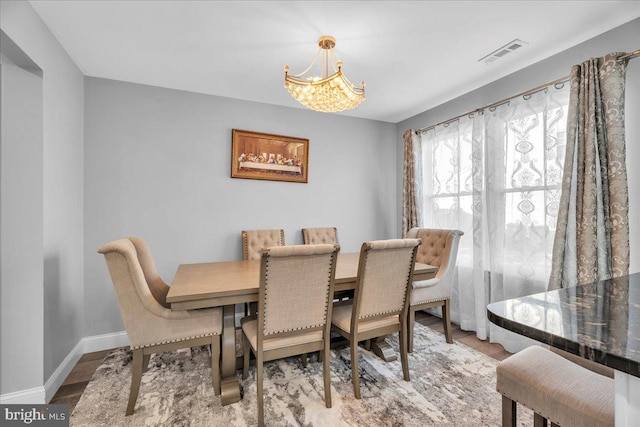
{"type": "Point", "coordinates": [215, 364]}
{"type": "Point", "coordinates": [411, 320]}
{"type": "Point", "coordinates": [539, 420]}
{"type": "Point", "coordinates": [136, 376]}
{"type": "Point", "coordinates": [259, 390]}
{"type": "Point", "coordinates": [145, 362]}
{"type": "Point", "coordinates": [403, 350]}
{"type": "Point", "coordinates": [446, 320]}
{"type": "Point", "coordinates": [326, 372]}
{"type": "Point", "coordinates": [355, 372]}
{"type": "Point", "coordinates": [246, 354]}
{"type": "Point", "coordinates": [508, 412]}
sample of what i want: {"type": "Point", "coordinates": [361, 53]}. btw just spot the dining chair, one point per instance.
{"type": "Point", "coordinates": [440, 249]}
{"type": "Point", "coordinates": [157, 286]}
{"type": "Point", "coordinates": [381, 299]}
{"type": "Point", "coordinates": [315, 236]}
{"type": "Point", "coordinates": [294, 310]}
{"type": "Point", "coordinates": [253, 242]}
{"type": "Point", "coordinates": [150, 326]}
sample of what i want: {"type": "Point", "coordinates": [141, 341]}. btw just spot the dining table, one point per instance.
{"type": "Point", "coordinates": [599, 321]}
{"type": "Point", "coordinates": [227, 283]}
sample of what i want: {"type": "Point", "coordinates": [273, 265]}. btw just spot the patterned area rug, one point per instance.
{"type": "Point", "coordinates": [450, 384]}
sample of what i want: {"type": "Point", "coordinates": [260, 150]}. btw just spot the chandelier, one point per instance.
{"type": "Point", "coordinates": [326, 93]}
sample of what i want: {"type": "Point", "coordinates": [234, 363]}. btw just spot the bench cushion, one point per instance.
{"type": "Point", "coordinates": [552, 386]}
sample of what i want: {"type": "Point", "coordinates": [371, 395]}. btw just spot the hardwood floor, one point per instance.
{"type": "Point", "coordinates": [74, 385]}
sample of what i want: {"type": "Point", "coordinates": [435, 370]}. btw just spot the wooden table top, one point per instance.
{"type": "Point", "coordinates": [215, 284]}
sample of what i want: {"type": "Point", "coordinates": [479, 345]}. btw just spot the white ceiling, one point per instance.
{"type": "Point", "coordinates": [413, 55]}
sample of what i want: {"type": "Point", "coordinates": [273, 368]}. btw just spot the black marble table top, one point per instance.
{"type": "Point", "coordinates": [599, 321]}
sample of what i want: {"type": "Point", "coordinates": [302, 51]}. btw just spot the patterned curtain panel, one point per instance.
{"type": "Point", "coordinates": [411, 184]}
{"type": "Point", "coordinates": [592, 239]}
{"type": "Point", "coordinates": [496, 176]}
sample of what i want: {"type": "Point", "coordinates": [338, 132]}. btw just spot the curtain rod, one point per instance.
{"type": "Point", "coordinates": [556, 82]}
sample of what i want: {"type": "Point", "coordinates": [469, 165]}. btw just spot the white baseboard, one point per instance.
{"type": "Point", "coordinates": [40, 395]}
{"type": "Point", "coordinates": [35, 396]}
{"type": "Point", "coordinates": [105, 342]}
{"type": "Point", "coordinates": [60, 374]}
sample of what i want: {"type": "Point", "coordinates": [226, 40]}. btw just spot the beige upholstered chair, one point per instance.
{"type": "Point", "coordinates": [294, 310]}
{"type": "Point", "coordinates": [381, 302]}
{"type": "Point", "coordinates": [439, 248]}
{"type": "Point", "coordinates": [323, 235]}
{"type": "Point", "coordinates": [151, 327]}
{"type": "Point", "coordinates": [157, 286]}
{"type": "Point", "coordinates": [254, 241]}
{"type": "Point", "coordinates": [316, 236]}
{"type": "Point", "coordinates": [556, 389]}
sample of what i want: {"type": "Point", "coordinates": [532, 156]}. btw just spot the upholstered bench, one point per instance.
{"type": "Point", "coordinates": [554, 388]}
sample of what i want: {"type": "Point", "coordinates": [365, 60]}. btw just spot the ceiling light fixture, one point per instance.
{"type": "Point", "coordinates": [326, 93]}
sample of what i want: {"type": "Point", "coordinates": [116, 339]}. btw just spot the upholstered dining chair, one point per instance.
{"type": "Point", "coordinates": [151, 327]}
{"type": "Point", "coordinates": [157, 286]}
{"type": "Point", "coordinates": [322, 235]}
{"type": "Point", "coordinates": [253, 242]}
{"type": "Point", "coordinates": [294, 310]}
{"type": "Point", "coordinates": [315, 236]}
{"type": "Point", "coordinates": [381, 300]}
{"type": "Point", "coordinates": [439, 248]}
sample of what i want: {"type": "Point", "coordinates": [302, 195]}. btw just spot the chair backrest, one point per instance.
{"type": "Point", "coordinates": [296, 289]}
{"type": "Point", "coordinates": [254, 241]}
{"type": "Point", "coordinates": [318, 236]}
{"type": "Point", "coordinates": [138, 307]}
{"type": "Point", "coordinates": [439, 248]}
{"type": "Point", "coordinates": [385, 272]}
{"type": "Point", "coordinates": [157, 286]}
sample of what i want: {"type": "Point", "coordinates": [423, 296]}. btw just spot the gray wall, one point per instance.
{"type": "Point", "coordinates": [62, 260]}
{"type": "Point", "coordinates": [21, 271]}
{"type": "Point", "coordinates": [624, 38]}
{"type": "Point", "coordinates": [157, 165]}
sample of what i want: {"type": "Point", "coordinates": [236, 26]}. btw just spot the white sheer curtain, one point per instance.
{"type": "Point", "coordinates": [496, 176]}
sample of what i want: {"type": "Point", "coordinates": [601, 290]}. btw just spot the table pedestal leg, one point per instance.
{"type": "Point", "coordinates": [230, 388]}
{"type": "Point", "coordinates": [383, 350]}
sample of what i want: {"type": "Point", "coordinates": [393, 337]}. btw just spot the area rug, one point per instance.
{"type": "Point", "coordinates": [450, 384]}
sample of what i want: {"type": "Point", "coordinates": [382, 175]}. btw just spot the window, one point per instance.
{"type": "Point", "coordinates": [496, 175]}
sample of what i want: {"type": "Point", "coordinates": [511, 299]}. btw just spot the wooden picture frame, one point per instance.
{"type": "Point", "coordinates": [257, 155]}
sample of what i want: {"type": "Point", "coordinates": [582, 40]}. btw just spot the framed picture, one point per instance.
{"type": "Point", "coordinates": [273, 157]}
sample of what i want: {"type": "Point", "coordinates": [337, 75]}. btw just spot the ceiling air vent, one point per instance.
{"type": "Point", "coordinates": [502, 51]}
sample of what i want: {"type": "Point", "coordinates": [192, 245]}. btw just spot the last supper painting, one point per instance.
{"type": "Point", "coordinates": [257, 155]}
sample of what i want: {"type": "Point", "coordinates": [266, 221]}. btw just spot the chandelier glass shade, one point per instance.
{"type": "Point", "coordinates": [326, 93]}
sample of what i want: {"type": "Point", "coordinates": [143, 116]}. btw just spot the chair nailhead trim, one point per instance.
{"type": "Point", "coordinates": [172, 341]}
{"type": "Point", "coordinates": [431, 300]}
